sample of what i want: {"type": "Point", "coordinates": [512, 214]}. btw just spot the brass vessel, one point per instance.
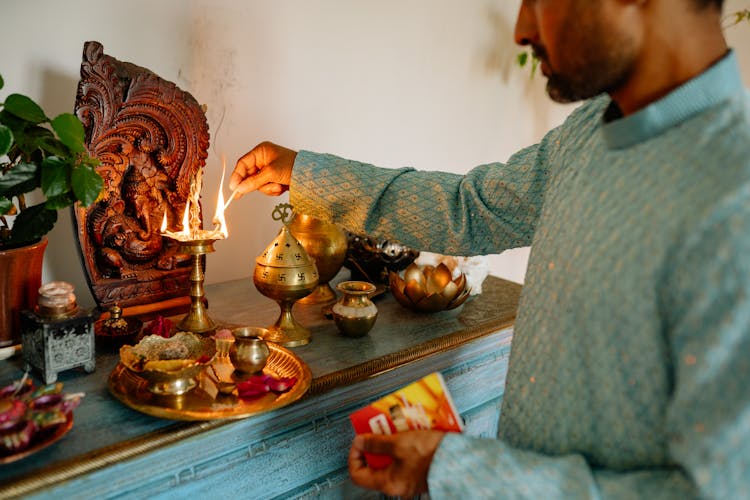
{"type": "Point", "coordinates": [354, 313]}
{"type": "Point", "coordinates": [285, 273]}
{"type": "Point", "coordinates": [326, 244]}
{"type": "Point", "coordinates": [250, 352]}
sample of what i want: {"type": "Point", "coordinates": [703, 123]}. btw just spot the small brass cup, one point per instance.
{"type": "Point", "coordinates": [250, 352]}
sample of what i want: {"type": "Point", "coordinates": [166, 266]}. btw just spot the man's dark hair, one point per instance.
{"type": "Point", "coordinates": [707, 3]}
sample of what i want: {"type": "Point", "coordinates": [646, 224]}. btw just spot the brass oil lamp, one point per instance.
{"type": "Point", "coordinates": [285, 273]}
{"type": "Point", "coordinates": [197, 242]}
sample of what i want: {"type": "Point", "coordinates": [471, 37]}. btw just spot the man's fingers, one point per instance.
{"type": "Point", "coordinates": [252, 181]}
{"type": "Point", "coordinates": [272, 189]}
{"type": "Point", "coordinates": [378, 444]}
{"type": "Point", "coordinates": [365, 477]}
{"type": "Point", "coordinates": [359, 471]}
{"type": "Point", "coordinates": [245, 167]}
{"type": "Point", "coordinates": [266, 168]}
{"type": "Point", "coordinates": [357, 461]}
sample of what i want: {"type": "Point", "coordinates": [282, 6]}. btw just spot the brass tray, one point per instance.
{"type": "Point", "coordinates": [41, 441]}
{"type": "Point", "coordinates": [196, 404]}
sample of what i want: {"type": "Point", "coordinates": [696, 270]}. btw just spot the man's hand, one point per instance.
{"type": "Point", "coordinates": [266, 168]}
{"type": "Point", "coordinates": [412, 453]}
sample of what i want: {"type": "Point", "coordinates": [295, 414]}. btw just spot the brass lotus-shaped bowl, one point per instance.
{"type": "Point", "coordinates": [429, 288]}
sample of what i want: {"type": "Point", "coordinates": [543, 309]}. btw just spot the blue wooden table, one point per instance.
{"type": "Point", "coordinates": [296, 451]}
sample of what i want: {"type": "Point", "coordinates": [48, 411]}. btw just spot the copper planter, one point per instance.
{"type": "Point", "coordinates": [20, 279]}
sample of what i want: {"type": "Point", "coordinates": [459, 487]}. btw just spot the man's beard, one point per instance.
{"type": "Point", "coordinates": [564, 90]}
{"type": "Point", "coordinates": [604, 68]}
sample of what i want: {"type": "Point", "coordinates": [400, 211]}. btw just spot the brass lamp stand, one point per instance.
{"type": "Point", "coordinates": [197, 319]}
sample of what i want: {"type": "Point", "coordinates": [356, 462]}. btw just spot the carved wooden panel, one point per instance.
{"type": "Point", "coordinates": [151, 139]}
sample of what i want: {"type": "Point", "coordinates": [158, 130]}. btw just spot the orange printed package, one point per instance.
{"type": "Point", "coordinates": [424, 404]}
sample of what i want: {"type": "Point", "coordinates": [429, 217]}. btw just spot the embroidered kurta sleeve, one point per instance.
{"type": "Point", "coordinates": [492, 208]}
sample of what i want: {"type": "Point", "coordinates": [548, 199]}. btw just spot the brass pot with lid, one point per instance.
{"type": "Point", "coordinates": [285, 273]}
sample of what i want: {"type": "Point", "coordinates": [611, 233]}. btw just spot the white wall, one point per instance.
{"type": "Point", "coordinates": [425, 83]}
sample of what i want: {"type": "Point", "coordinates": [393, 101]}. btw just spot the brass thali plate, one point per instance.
{"type": "Point", "coordinates": [196, 404]}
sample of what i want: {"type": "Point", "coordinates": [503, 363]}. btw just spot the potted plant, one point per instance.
{"type": "Point", "coordinates": [46, 157]}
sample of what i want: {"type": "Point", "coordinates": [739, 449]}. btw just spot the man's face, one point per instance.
{"type": "Point", "coordinates": [582, 50]}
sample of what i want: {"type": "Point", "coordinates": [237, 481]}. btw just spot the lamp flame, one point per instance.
{"type": "Point", "coordinates": [219, 220]}
{"type": "Point", "coordinates": [185, 232]}
{"type": "Point", "coordinates": [191, 219]}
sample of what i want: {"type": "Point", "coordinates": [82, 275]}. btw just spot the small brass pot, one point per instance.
{"type": "Point", "coordinates": [250, 352]}
{"type": "Point", "coordinates": [354, 313]}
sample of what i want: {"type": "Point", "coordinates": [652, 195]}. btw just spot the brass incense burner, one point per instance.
{"type": "Point", "coordinates": [285, 273]}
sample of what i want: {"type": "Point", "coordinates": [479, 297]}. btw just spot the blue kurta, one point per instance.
{"type": "Point", "coordinates": [630, 366]}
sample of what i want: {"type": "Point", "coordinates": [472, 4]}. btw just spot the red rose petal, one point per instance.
{"type": "Point", "coordinates": [159, 326]}
{"type": "Point", "coordinates": [282, 384]}
{"type": "Point", "coordinates": [252, 388]}
{"type": "Point", "coordinates": [258, 385]}
{"type": "Point", "coordinates": [251, 393]}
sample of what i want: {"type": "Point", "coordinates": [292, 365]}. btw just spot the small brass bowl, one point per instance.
{"type": "Point", "coordinates": [429, 288]}
{"type": "Point", "coordinates": [174, 376]}
{"type": "Point", "coordinates": [175, 380]}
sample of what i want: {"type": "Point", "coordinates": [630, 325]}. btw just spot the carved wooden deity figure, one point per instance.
{"type": "Point", "coordinates": [151, 139]}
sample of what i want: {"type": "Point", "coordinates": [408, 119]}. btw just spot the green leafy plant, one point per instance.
{"type": "Point", "coordinates": [738, 17]}
{"type": "Point", "coordinates": [528, 57]}
{"type": "Point", "coordinates": [37, 152]}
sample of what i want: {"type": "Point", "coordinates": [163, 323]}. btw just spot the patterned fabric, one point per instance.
{"type": "Point", "coordinates": [631, 357]}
